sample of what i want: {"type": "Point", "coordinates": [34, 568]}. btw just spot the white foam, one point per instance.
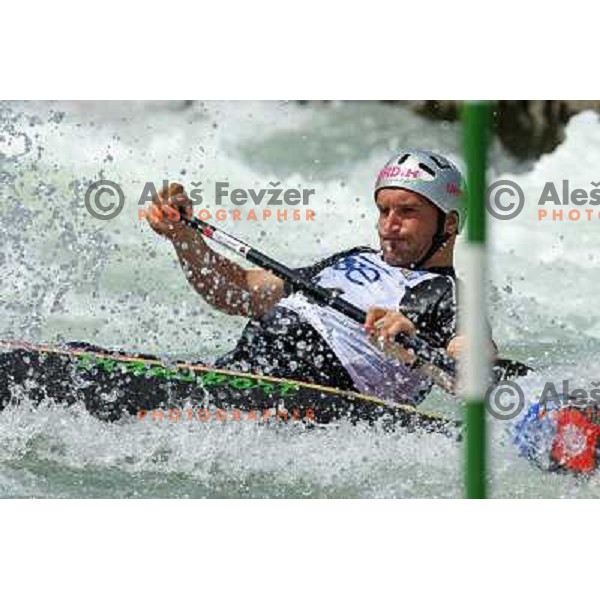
{"type": "Point", "coordinates": [115, 283]}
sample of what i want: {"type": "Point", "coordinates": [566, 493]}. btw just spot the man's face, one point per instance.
{"type": "Point", "coordinates": [407, 223]}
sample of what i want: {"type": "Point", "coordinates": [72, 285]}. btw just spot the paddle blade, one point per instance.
{"type": "Point", "coordinates": [509, 369]}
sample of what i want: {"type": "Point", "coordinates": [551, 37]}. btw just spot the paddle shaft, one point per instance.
{"type": "Point", "coordinates": [318, 294]}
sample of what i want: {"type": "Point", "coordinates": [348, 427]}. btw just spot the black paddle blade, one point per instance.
{"type": "Point", "coordinates": [509, 369]}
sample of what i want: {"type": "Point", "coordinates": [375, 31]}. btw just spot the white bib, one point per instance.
{"type": "Point", "coordinates": [366, 281]}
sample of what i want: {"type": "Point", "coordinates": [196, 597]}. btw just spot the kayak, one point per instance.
{"type": "Point", "coordinates": [112, 384]}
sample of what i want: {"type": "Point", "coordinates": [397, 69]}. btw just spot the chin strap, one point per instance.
{"type": "Point", "coordinates": [437, 241]}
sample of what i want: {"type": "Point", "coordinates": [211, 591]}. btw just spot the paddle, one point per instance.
{"type": "Point", "coordinates": [438, 365]}
{"type": "Point", "coordinates": [317, 293]}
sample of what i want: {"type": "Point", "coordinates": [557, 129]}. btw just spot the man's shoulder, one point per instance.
{"type": "Point", "coordinates": [431, 305]}
{"type": "Point", "coordinates": [313, 270]}
{"type": "Point", "coordinates": [350, 252]}
{"type": "Point", "coordinates": [327, 261]}
{"type": "Point", "coordinates": [434, 290]}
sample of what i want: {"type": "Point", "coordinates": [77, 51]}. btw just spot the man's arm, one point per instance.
{"type": "Point", "coordinates": [222, 283]}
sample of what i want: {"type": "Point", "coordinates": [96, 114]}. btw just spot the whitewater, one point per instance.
{"type": "Point", "coordinates": [67, 276]}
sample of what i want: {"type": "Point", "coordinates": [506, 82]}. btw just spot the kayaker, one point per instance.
{"type": "Point", "coordinates": [408, 285]}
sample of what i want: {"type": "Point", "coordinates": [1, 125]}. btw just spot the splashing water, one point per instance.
{"type": "Point", "coordinates": [67, 276]}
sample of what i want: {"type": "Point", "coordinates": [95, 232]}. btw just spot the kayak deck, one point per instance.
{"type": "Point", "coordinates": [113, 384]}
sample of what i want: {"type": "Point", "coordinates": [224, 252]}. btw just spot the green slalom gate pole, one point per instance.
{"type": "Point", "coordinates": [475, 373]}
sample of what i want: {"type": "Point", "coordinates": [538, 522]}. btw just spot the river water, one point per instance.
{"type": "Point", "coordinates": [68, 276]}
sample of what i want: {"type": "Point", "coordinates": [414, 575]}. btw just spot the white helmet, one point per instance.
{"type": "Point", "coordinates": [429, 174]}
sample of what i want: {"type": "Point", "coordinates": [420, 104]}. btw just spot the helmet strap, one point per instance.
{"type": "Point", "coordinates": [439, 239]}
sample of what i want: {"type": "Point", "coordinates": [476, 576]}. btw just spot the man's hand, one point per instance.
{"type": "Point", "coordinates": [383, 325]}
{"type": "Point", "coordinates": [458, 346]}
{"type": "Point", "coordinates": [164, 213]}
{"type": "Point", "coordinates": [222, 283]}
